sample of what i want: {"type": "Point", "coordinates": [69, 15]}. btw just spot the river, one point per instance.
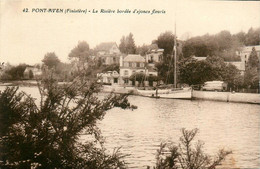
{"type": "Point", "coordinates": [139, 132]}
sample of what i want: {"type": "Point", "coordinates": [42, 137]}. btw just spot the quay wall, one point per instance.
{"type": "Point", "coordinates": [227, 96]}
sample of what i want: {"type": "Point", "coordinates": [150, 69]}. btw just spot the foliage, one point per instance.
{"type": "Point", "coordinates": [252, 78]}
{"type": "Point", "coordinates": [127, 44]}
{"type": "Point", "coordinates": [165, 72]}
{"type": "Point", "coordinates": [140, 77]}
{"type": "Point", "coordinates": [14, 72]}
{"type": "Point", "coordinates": [142, 50]}
{"type": "Point", "coordinates": [252, 71]}
{"type": "Point", "coordinates": [51, 60]}
{"type": "Point", "coordinates": [166, 41]}
{"type": "Point", "coordinates": [253, 61]}
{"type": "Point", "coordinates": [187, 155]}
{"type": "Point", "coordinates": [46, 133]}
{"type": "Point", "coordinates": [195, 72]}
{"type": "Point", "coordinates": [80, 55]}
{"type": "Point", "coordinates": [111, 68]}
{"type": "Point", "coordinates": [222, 44]}
{"type": "Point", "coordinates": [252, 37]}
{"type": "Point", "coordinates": [31, 74]}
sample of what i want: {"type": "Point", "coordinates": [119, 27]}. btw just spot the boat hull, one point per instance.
{"type": "Point", "coordinates": [185, 93]}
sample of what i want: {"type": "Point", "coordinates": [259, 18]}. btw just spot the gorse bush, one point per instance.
{"type": "Point", "coordinates": [186, 155]}
{"type": "Point", "coordinates": [45, 133]}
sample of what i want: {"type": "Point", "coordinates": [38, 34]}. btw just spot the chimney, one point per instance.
{"type": "Point", "coordinates": [121, 61]}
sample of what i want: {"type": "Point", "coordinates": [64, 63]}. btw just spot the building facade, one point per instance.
{"type": "Point", "coordinates": [245, 52]}
{"type": "Point", "coordinates": [132, 64]}
{"type": "Point", "coordinates": [108, 52]}
{"type": "Point", "coordinates": [109, 77]}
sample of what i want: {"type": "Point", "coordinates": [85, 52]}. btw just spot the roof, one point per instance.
{"type": "Point", "coordinates": [105, 46]}
{"type": "Point", "coordinates": [134, 58]}
{"type": "Point", "coordinates": [157, 50]}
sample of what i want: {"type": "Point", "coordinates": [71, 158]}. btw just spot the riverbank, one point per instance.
{"type": "Point", "coordinates": [252, 98]}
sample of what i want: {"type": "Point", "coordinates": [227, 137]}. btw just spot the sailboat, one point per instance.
{"type": "Point", "coordinates": [169, 93]}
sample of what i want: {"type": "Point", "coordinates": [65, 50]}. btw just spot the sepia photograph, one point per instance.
{"type": "Point", "coordinates": [118, 84]}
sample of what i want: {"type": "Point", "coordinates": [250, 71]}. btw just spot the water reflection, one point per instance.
{"type": "Point", "coordinates": [222, 125]}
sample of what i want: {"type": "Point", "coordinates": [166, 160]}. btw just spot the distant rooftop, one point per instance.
{"type": "Point", "coordinates": [157, 50]}
{"type": "Point", "coordinates": [134, 58]}
{"type": "Point", "coordinates": [105, 46]}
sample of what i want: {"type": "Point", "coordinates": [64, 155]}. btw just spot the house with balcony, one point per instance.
{"type": "Point", "coordinates": [108, 52]}
{"type": "Point", "coordinates": [154, 56]}
{"type": "Point", "coordinates": [132, 64]}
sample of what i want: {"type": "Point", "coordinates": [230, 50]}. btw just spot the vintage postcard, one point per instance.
{"type": "Point", "coordinates": [129, 84]}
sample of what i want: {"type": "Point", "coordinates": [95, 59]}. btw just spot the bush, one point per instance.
{"type": "Point", "coordinates": [187, 156]}
{"type": "Point", "coordinates": [46, 134]}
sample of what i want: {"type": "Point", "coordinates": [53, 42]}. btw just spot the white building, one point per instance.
{"type": "Point", "coordinates": [109, 77]}
{"type": "Point", "coordinates": [132, 64]}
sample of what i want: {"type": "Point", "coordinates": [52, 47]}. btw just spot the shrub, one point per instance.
{"type": "Point", "coordinates": [45, 134]}
{"type": "Point", "coordinates": [186, 155]}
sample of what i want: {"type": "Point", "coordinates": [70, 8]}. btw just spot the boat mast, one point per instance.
{"type": "Point", "coordinates": [175, 57]}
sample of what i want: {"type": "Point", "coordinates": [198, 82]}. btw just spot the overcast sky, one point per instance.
{"type": "Point", "coordinates": [27, 37]}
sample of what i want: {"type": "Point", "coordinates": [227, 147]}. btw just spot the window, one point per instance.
{"type": "Point", "coordinates": [126, 81]}
{"type": "Point", "coordinates": [138, 64]}
{"type": "Point", "coordinates": [126, 72]}
{"type": "Point", "coordinates": [142, 64]}
{"type": "Point", "coordinates": [133, 64]}
{"type": "Point", "coordinates": [130, 64]}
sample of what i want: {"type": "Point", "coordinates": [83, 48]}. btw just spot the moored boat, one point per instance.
{"type": "Point", "coordinates": [184, 93]}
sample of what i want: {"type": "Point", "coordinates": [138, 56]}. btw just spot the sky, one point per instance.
{"type": "Point", "coordinates": [27, 36]}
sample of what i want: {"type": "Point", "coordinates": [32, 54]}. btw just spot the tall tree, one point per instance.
{"type": "Point", "coordinates": [253, 37]}
{"type": "Point", "coordinates": [51, 60]}
{"type": "Point", "coordinates": [80, 55]}
{"type": "Point", "coordinates": [127, 44]}
{"type": "Point", "coordinates": [252, 71]}
{"type": "Point", "coordinates": [253, 61]}
{"type": "Point", "coordinates": [166, 41]}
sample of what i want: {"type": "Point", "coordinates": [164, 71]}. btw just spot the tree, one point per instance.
{"type": "Point", "coordinates": [253, 61]}
{"type": "Point", "coordinates": [166, 41]}
{"type": "Point", "coordinates": [186, 155]}
{"type": "Point", "coordinates": [142, 50]}
{"type": "Point", "coordinates": [31, 74]}
{"type": "Point", "coordinates": [253, 37]}
{"type": "Point", "coordinates": [127, 44]}
{"type": "Point", "coordinates": [252, 71]}
{"type": "Point", "coordinates": [140, 77]}
{"type": "Point", "coordinates": [80, 56]}
{"type": "Point", "coordinates": [45, 134]}
{"type": "Point", "coordinates": [51, 60]}
{"type": "Point", "coordinates": [232, 76]}
{"type": "Point", "coordinates": [15, 72]}
{"type": "Point", "coordinates": [194, 72]}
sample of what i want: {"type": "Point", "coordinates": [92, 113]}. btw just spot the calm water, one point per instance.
{"type": "Point", "coordinates": [222, 125]}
